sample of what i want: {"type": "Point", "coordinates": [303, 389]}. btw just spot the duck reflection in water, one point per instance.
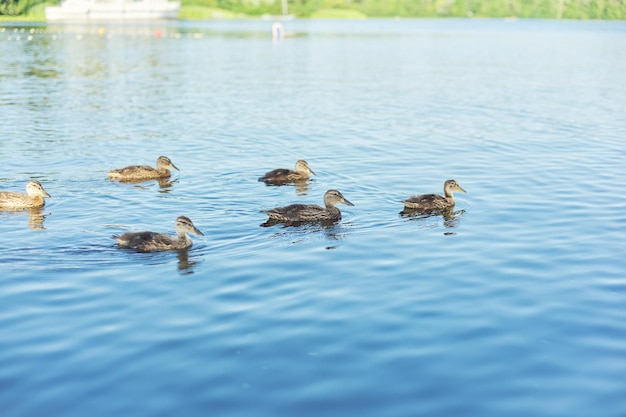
{"type": "Point", "coordinates": [302, 187]}
{"type": "Point", "coordinates": [450, 217]}
{"type": "Point", "coordinates": [299, 233]}
{"type": "Point", "coordinates": [36, 216]}
{"type": "Point", "coordinates": [165, 184]}
{"type": "Point", "coordinates": [184, 263]}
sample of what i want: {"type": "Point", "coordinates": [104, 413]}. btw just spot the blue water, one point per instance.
{"type": "Point", "coordinates": [515, 306]}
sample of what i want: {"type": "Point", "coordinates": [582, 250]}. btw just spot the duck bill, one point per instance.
{"type": "Point", "coordinates": [346, 202]}
{"type": "Point", "coordinates": [174, 166]}
{"type": "Point", "coordinates": [198, 232]}
{"type": "Point", "coordinates": [45, 194]}
{"type": "Point", "coordinates": [312, 172]}
{"type": "Point", "coordinates": [459, 189]}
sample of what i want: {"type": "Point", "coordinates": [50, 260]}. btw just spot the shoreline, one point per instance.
{"type": "Point", "coordinates": [197, 12]}
{"type": "Point", "coordinates": [42, 19]}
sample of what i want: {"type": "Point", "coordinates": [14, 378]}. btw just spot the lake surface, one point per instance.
{"type": "Point", "coordinates": [513, 306]}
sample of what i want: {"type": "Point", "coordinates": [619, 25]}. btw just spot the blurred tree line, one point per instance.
{"type": "Point", "coordinates": [566, 9]}
{"type": "Point", "coordinates": [18, 7]}
{"type": "Point", "coordinates": [569, 9]}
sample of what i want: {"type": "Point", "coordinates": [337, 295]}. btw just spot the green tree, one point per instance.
{"type": "Point", "coordinates": [18, 7]}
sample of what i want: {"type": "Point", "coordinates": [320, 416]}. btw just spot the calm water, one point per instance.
{"type": "Point", "coordinates": [516, 306]}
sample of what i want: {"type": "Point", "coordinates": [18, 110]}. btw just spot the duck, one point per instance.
{"type": "Point", "coordinates": [300, 213]}
{"type": "Point", "coordinates": [430, 202]}
{"type": "Point", "coordinates": [33, 198]}
{"type": "Point", "coordinates": [283, 175]}
{"type": "Point", "coordinates": [144, 172]}
{"type": "Point", "coordinates": [153, 241]}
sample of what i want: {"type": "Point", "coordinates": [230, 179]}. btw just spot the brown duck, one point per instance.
{"type": "Point", "coordinates": [144, 172]}
{"type": "Point", "coordinates": [283, 175]}
{"type": "Point", "coordinates": [34, 197]}
{"type": "Point", "coordinates": [299, 213]}
{"type": "Point", "coordinates": [430, 202]}
{"type": "Point", "coordinates": [152, 241]}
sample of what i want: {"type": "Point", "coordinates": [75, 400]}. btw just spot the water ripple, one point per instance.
{"type": "Point", "coordinates": [513, 303]}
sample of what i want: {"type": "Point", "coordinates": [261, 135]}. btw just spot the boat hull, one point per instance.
{"type": "Point", "coordinates": [113, 12]}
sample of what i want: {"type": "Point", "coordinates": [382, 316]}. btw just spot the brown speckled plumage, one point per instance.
{"type": "Point", "coordinates": [429, 202]}
{"type": "Point", "coordinates": [283, 175]}
{"type": "Point", "coordinates": [152, 241]}
{"type": "Point", "coordinates": [144, 172]}
{"type": "Point", "coordinates": [298, 213]}
{"type": "Point", "coordinates": [34, 197]}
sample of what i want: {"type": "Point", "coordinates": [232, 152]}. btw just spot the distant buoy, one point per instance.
{"type": "Point", "coordinates": [277, 31]}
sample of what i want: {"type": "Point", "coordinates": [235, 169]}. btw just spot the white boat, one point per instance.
{"type": "Point", "coordinates": [113, 10]}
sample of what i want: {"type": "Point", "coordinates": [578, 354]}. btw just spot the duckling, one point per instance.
{"type": "Point", "coordinates": [283, 175]}
{"type": "Point", "coordinates": [430, 202]}
{"type": "Point", "coordinates": [152, 241]}
{"type": "Point", "coordinates": [298, 213]}
{"type": "Point", "coordinates": [144, 172]}
{"type": "Point", "coordinates": [33, 197]}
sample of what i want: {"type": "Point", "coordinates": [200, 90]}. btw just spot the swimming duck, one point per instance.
{"type": "Point", "coordinates": [429, 202]}
{"type": "Point", "coordinates": [144, 172]}
{"type": "Point", "coordinates": [283, 175]}
{"type": "Point", "coordinates": [298, 213]}
{"type": "Point", "coordinates": [152, 241]}
{"type": "Point", "coordinates": [34, 197]}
